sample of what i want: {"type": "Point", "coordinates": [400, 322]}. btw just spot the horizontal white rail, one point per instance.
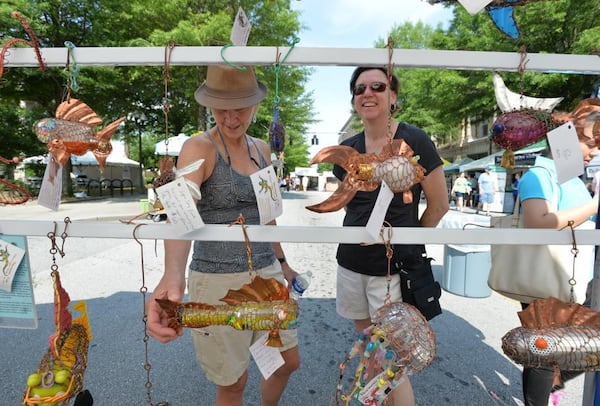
{"type": "Point", "coordinates": [312, 56]}
{"type": "Point", "coordinates": [300, 234]}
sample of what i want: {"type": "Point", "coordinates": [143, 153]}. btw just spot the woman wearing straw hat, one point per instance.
{"type": "Point", "coordinates": [230, 156]}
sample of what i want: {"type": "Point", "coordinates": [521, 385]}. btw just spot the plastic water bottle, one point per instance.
{"type": "Point", "coordinates": [299, 284]}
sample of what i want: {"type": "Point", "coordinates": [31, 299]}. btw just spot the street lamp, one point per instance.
{"type": "Point", "coordinates": [140, 121]}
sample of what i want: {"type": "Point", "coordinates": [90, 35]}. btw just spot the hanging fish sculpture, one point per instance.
{"type": "Point", "coordinates": [395, 165]}
{"type": "Point", "coordinates": [400, 342]}
{"type": "Point", "coordinates": [263, 304]}
{"type": "Point", "coordinates": [555, 335]}
{"type": "Point", "coordinates": [517, 129]}
{"type": "Point", "coordinates": [60, 374]}
{"type": "Point", "coordinates": [277, 133]}
{"type": "Point", "coordinates": [71, 132]}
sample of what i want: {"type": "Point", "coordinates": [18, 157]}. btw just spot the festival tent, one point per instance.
{"type": "Point", "coordinates": [174, 147]}
{"type": "Point", "coordinates": [455, 166]}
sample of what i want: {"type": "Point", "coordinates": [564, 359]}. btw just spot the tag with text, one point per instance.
{"type": "Point", "coordinates": [384, 198]}
{"type": "Point", "coordinates": [241, 29]}
{"type": "Point", "coordinates": [181, 209]}
{"type": "Point", "coordinates": [268, 359]}
{"type": "Point", "coordinates": [566, 152]}
{"type": "Point", "coordinates": [51, 189]}
{"type": "Point", "coordinates": [268, 195]}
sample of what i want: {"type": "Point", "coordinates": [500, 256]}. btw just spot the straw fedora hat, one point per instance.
{"type": "Point", "coordinates": [229, 88]}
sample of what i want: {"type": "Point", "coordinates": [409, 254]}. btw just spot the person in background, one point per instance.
{"type": "Point", "coordinates": [515, 186]}
{"type": "Point", "coordinates": [538, 192]}
{"type": "Point", "coordinates": [362, 269]}
{"type": "Point", "coordinates": [461, 190]}
{"type": "Point", "coordinates": [595, 184]}
{"type": "Point", "coordinates": [230, 157]}
{"type": "Point", "coordinates": [474, 192]}
{"type": "Point", "coordinates": [487, 189]}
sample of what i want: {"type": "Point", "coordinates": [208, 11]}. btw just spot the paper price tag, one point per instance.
{"type": "Point", "coordinates": [384, 198]}
{"type": "Point", "coordinates": [180, 206]}
{"type": "Point", "coordinates": [241, 29]}
{"type": "Point", "coordinates": [268, 195]}
{"type": "Point", "coordinates": [268, 359]}
{"type": "Point", "coordinates": [566, 152]}
{"type": "Point", "coordinates": [474, 6]}
{"type": "Point", "coordinates": [51, 189]}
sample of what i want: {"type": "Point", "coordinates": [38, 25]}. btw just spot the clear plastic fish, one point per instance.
{"type": "Point", "coordinates": [264, 304]}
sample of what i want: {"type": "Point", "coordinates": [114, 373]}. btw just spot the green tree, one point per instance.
{"type": "Point", "coordinates": [116, 91]}
{"type": "Point", "coordinates": [440, 100]}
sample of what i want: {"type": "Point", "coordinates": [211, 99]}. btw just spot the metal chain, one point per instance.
{"type": "Point", "coordinates": [144, 291]}
{"type": "Point", "coordinates": [242, 221]}
{"type": "Point", "coordinates": [389, 253]}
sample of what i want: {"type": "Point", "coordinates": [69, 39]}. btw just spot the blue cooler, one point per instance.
{"type": "Point", "coordinates": [466, 270]}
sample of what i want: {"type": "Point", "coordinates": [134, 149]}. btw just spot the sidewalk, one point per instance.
{"type": "Point", "coordinates": [107, 273]}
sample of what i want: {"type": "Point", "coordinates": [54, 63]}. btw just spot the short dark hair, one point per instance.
{"type": "Point", "coordinates": [394, 82]}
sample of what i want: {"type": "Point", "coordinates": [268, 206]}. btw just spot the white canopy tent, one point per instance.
{"type": "Point", "coordinates": [173, 147]}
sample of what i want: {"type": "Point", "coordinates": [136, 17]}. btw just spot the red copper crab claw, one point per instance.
{"type": "Point", "coordinates": [395, 165]}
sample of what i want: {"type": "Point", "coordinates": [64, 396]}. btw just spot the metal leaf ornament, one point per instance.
{"type": "Point", "coordinates": [276, 132]}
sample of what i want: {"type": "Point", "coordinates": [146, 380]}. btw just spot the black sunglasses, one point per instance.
{"type": "Point", "coordinates": [377, 87]}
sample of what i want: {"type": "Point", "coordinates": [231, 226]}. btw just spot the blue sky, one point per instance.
{"type": "Point", "coordinates": [345, 24]}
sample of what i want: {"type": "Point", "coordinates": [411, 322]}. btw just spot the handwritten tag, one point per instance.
{"type": "Point", "coordinates": [10, 258]}
{"type": "Point", "coordinates": [51, 189]}
{"type": "Point", "coordinates": [181, 209]}
{"type": "Point", "coordinates": [474, 6]}
{"type": "Point", "coordinates": [268, 195]}
{"type": "Point", "coordinates": [384, 198]}
{"type": "Point", "coordinates": [241, 29]}
{"type": "Point", "coordinates": [566, 152]}
{"type": "Point", "coordinates": [268, 359]}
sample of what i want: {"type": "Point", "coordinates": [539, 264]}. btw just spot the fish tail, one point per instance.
{"type": "Point", "coordinates": [274, 339]}
{"type": "Point", "coordinates": [173, 312]}
{"type": "Point", "coordinates": [104, 147]}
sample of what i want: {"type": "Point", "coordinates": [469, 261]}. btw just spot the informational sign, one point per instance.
{"type": "Point", "coordinates": [17, 307]}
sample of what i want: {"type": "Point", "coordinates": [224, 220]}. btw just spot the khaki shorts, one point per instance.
{"type": "Point", "coordinates": [222, 352]}
{"type": "Point", "coordinates": [359, 296]}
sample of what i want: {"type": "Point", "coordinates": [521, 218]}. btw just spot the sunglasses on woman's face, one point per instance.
{"type": "Point", "coordinates": [376, 87]}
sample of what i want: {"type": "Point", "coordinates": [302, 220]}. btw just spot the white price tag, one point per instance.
{"type": "Point", "coordinates": [181, 209]}
{"type": "Point", "coordinates": [268, 195]}
{"type": "Point", "coordinates": [474, 6]}
{"type": "Point", "coordinates": [268, 359]}
{"type": "Point", "coordinates": [241, 29]}
{"type": "Point", "coordinates": [384, 198]}
{"type": "Point", "coordinates": [566, 152]}
{"type": "Point", "coordinates": [51, 189]}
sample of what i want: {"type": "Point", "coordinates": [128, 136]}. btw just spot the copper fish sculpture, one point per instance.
{"type": "Point", "coordinates": [71, 132]}
{"type": "Point", "coordinates": [394, 165]}
{"type": "Point", "coordinates": [555, 335]}
{"type": "Point", "coordinates": [263, 304]}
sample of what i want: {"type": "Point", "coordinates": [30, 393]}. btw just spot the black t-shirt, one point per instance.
{"type": "Point", "coordinates": [371, 259]}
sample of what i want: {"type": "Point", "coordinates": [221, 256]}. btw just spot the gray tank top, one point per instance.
{"type": "Point", "coordinates": [225, 194]}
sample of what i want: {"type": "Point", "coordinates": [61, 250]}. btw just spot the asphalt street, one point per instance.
{"type": "Point", "coordinates": [469, 367]}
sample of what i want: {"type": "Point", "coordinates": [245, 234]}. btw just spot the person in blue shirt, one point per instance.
{"type": "Point", "coordinates": [547, 204]}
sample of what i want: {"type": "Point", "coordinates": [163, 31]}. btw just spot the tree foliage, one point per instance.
{"type": "Point", "coordinates": [440, 100]}
{"type": "Point", "coordinates": [165, 93]}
